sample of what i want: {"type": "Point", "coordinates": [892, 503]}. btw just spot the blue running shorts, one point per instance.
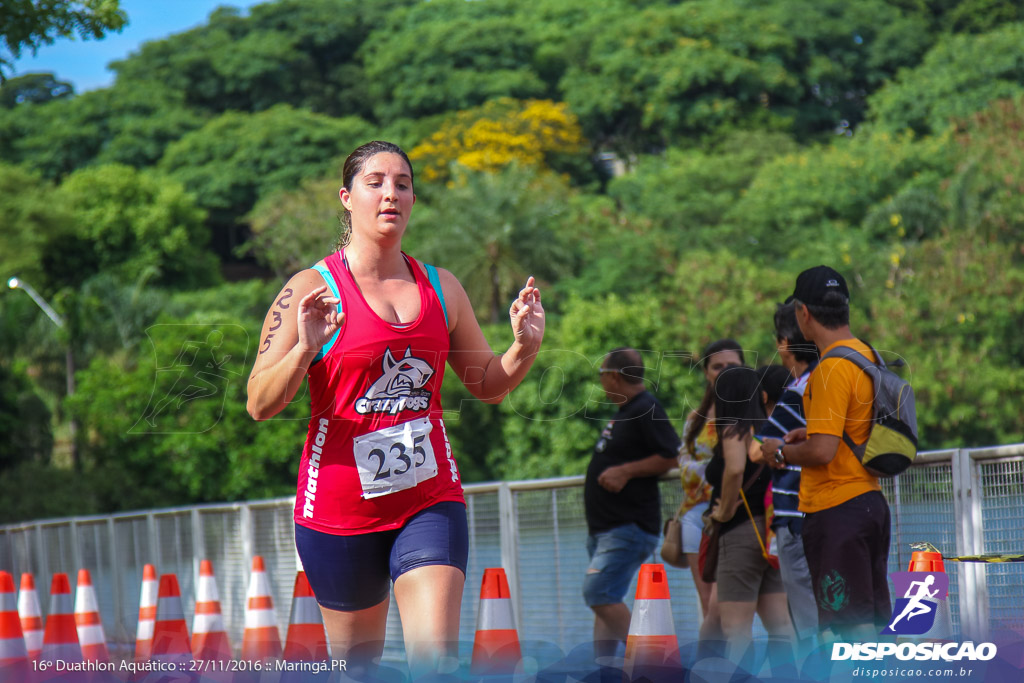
{"type": "Point", "coordinates": [349, 573]}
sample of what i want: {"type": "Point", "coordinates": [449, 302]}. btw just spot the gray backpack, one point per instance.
{"type": "Point", "coordinates": [892, 444]}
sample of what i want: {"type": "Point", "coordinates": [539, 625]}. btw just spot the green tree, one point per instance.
{"type": "Point", "coordinates": [25, 24]}
{"type": "Point", "coordinates": [131, 223]}
{"type": "Point", "coordinates": [297, 52]}
{"type": "Point", "coordinates": [688, 192]}
{"type": "Point", "coordinates": [988, 188]}
{"type": "Point", "coordinates": [25, 433]}
{"type": "Point", "coordinates": [954, 317]}
{"type": "Point", "coordinates": [34, 87]}
{"type": "Point", "coordinates": [811, 204]}
{"type": "Point", "coordinates": [169, 418]}
{"type": "Point", "coordinates": [237, 157]}
{"type": "Point", "coordinates": [961, 75]}
{"type": "Point", "coordinates": [127, 125]}
{"type": "Point", "coordinates": [449, 56]}
{"type": "Point", "coordinates": [494, 230]}
{"type": "Point", "coordinates": [294, 228]}
{"type": "Point", "coordinates": [31, 217]}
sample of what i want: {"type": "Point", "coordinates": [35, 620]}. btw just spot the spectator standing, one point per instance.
{"type": "Point", "coordinates": [620, 494]}
{"type": "Point", "coordinates": [800, 357]}
{"type": "Point", "coordinates": [846, 529]}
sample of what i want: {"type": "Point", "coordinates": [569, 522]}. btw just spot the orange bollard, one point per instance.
{"type": "Point", "coordinates": [87, 620]}
{"type": "Point", "coordinates": [942, 627]}
{"type": "Point", "coordinates": [306, 640]}
{"type": "Point", "coordinates": [13, 654]}
{"type": "Point", "coordinates": [31, 616]}
{"type": "Point", "coordinates": [170, 632]}
{"type": "Point", "coordinates": [496, 644]}
{"type": "Point", "coordinates": [209, 636]}
{"type": "Point", "coordinates": [651, 645]}
{"type": "Point", "coordinates": [261, 640]}
{"type": "Point", "coordinates": [147, 615]}
{"type": "Point", "coordinates": [60, 638]}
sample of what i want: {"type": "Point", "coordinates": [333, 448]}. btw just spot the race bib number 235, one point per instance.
{"type": "Point", "coordinates": [395, 458]}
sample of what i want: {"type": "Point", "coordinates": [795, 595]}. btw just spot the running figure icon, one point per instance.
{"type": "Point", "coordinates": [916, 605]}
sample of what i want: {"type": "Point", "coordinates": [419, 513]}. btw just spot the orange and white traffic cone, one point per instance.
{"type": "Point", "coordinates": [13, 655]}
{"type": "Point", "coordinates": [31, 616]}
{"type": "Point", "coordinates": [942, 627]}
{"type": "Point", "coordinates": [651, 647]}
{"type": "Point", "coordinates": [209, 637]}
{"type": "Point", "coordinates": [261, 640]}
{"type": "Point", "coordinates": [496, 644]}
{"type": "Point", "coordinates": [170, 632]}
{"type": "Point", "coordinates": [87, 619]}
{"type": "Point", "coordinates": [306, 640]}
{"type": "Point", "coordinates": [147, 615]}
{"type": "Point", "coordinates": [60, 638]}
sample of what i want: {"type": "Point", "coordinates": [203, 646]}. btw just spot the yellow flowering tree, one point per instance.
{"type": "Point", "coordinates": [531, 133]}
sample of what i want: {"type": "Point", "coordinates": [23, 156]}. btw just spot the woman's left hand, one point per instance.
{"type": "Point", "coordinates": [719, 514]}
{"type": "Point", "coordinates": [527, 316]}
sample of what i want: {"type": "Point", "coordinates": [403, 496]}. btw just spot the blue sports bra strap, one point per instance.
{"type": "Point", "coordinates": [329, 279]}
{"type": "Point", "coordinates": [435, 282]}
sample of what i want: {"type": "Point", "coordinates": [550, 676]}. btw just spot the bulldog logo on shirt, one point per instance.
{"type": "Point", "coordinates": [400, 386]}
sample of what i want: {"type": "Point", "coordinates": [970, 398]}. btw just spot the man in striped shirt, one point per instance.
{"type": "Point", "coordinates": [800, 357]}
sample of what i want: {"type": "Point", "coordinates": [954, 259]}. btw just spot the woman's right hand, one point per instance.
{"type": "Point", "coordinates": [318, 319]}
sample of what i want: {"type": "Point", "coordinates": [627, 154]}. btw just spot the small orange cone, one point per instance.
{"type": "Point", "coordinates": [60, 638]}
{"type": "Point", "coordinates": [170, 632]}
{"type": "Point", "coordinates": [31, 616]}
{"type": "Point", "coordinates": [87, 618]}
{"type": "Point", "coordinates": [147, 615]}
{"type": "Point", "coordinates": [651, 645]}
{"type": "Point", "coordinates": [942, 627]}
{"type": "Point", "coordinates": [12, 642]}
{"type": "Point", "coordinates": [261, 639]}
{"type": "Point", "coordinates": [306, 640]}
{"type": "Point", "coordinates": [209, 637]}
{"type": "Point", "coordinates": [496, 645]}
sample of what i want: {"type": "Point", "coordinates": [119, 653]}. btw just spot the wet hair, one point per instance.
{"type": "Point", "coordinates": [738, 406]}
{"type": "Point", "coordinates": [773, 379]}
{"type": "Point", "coordinates": [353, 165]}
{"type": "Point", "coordinates": [787, 330]}
{"type": "Point", "coordinates": [628, 362]}
{"type": "Point", "coordinates": [700, 417]}
{"type": "Point", "coordinates": [833, 312]}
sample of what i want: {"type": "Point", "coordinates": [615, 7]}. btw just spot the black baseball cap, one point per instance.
{"type": "Point", "coordinates": [814, 283]}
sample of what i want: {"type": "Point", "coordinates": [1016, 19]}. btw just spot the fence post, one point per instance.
{"type": "Point", "coordinates": [117, 581]}
{"type": "Point", "coordinates": [962, 499]}
{"type": "Point", "coordinates": [977, 569]}
{"type": "Point", "coordinates": [198, 544]}
{"type": "Point", "coordinates": [509, 534]}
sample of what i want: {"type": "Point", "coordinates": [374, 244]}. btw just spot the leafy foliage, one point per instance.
{"type": "Point", "coordinates": [236, 157]}
{"type": "Point", "coordinates": [28, 24]}
{"type": "Point", "coordinates": [664, 169]}
{"type": "Point", "coordinates": [130, 222]}
{"type": "Point", "coordinates": [961, 75]}
{"type": "Point", "coordinates": [536, 133]}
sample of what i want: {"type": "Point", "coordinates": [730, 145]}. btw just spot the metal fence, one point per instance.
{"type": "Point", "coordinates": [966, 501]}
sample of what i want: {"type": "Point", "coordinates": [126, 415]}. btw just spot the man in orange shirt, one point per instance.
{"type": "Point", "coordinates": [847, 528]}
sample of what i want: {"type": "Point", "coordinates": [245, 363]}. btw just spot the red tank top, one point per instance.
{"type": "Point", "coordinates": [376, 451]}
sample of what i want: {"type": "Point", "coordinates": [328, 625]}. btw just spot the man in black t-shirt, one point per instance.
{"type": "Point", "coordinates": [620, 495]}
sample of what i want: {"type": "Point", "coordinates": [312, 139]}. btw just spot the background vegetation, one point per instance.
{"type": "Point", "coordinates": [664, 168]}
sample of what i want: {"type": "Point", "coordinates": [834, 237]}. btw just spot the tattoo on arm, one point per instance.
{"type": "Point", "coordinates": [287, 294]}
{"type": "Point", "coordinates": [266, 343]}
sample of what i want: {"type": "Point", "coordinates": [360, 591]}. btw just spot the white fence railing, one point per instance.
{"type": "Point", "coordinates": [965, 501]}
